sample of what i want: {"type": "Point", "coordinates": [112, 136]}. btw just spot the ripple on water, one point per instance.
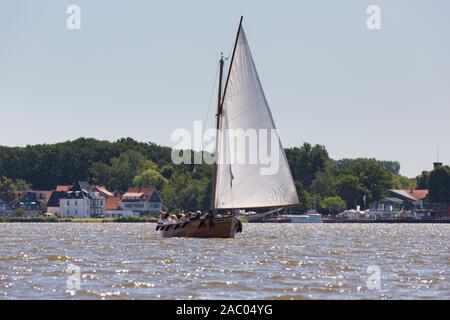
{"type": "Point", "coordinates": [295, 261]}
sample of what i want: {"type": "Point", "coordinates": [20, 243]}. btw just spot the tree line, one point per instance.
{"type": "Point", "coordinates": [326, 184]}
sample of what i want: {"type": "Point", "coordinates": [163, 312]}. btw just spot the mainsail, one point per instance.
{"type": "Point", "coordinates": [247, 183]}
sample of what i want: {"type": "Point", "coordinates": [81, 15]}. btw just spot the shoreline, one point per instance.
{"type": "Point", "coordinates": [77, 220]}
{"type": "Point", "coordinates": [154, 220]}
{"type": "Point", "coordinates": [392, 221]}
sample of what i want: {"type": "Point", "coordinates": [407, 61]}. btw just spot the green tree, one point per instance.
{"type": "Point", "coordinates": [372, 179]}
{"type": "Point", "coordinates": [350, 189]}
{"type": "Point", "coordinates": [390, 166]}
{"type": "Point", "coordinates": [324, 183]}
{"type": "Point", "coordinates": [150, 178]}
{"type": "Point", "coordinates": [183, 192]}
{"type": "Point", "coordinates": [306, 161]}
{"type": "Point", "coordinates": [45, 166]}
{"type": "Point", "coordinates": [22, 185]}
{"type": "Point", "coordinates": [401, 182]}
{"type": "Point", "coordinates": [333, 205]}
{"type": "Point", "coordinates": [422, 180]}
{"type": "Point", "coordinates": [8, 189]}
{"type": "Point", "coordinates": [120, 173]}
{"type": "Point", "coordinates": [439, 185]}
{"type": "Point", "coordinates": [305, 198]}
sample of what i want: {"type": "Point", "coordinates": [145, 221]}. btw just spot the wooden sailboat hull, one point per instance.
{"type": "Point", "coordinates": [224, 227]}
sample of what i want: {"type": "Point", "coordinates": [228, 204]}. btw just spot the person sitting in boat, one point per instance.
{"type": "Point", "coordinates": [195, 215]}
{"type": "Point", "coordinates": [172, 219]}
{"type": "Point", "coordinates": [164, 218]}
{"type": "Point", "coordinates": [181, 217]}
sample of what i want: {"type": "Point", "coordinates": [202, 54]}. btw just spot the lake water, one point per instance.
{"type": "Point", "coordinates": [266, 261]}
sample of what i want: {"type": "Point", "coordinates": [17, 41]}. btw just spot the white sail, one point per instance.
{"type": "Point", "coordinates": [249, 184]}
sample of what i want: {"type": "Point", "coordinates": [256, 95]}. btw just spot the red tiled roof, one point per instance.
{"type": "Point", "coordinates": [146, 191]}
{"type": "Point", "coordinates": [133, 195]}
{"type": "Point", "coordinates": [104, 191]}
{"type": "Point", "coordinates": [419, 194]}
{"type": "Point", "coordinates": [404, 193]}
{"type": "Point", "coordinates": [62, 188]}
{"type": "Point", "coordinates": [412, 194]}
{"type": "Point", "coordinates": [47, 193]}
{"type": "Point", "coordinates": [112, 203]}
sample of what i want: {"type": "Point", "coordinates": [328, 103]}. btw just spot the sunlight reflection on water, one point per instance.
{"type": "Point", "coordinates": [266, 261]}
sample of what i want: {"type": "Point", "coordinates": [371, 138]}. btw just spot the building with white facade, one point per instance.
{"type": "Point", "coordinates": [82, 201]}
{"type": "Point", "coordinates": [114, 210]}
{"type": "Point", "coordinates": [146, 201]}
{"type": "Point", "coordinates": [53, 202]}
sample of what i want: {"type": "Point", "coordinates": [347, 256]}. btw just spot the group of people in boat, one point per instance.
{"type": "Point", "coordinates": [168, 218]}
{"type": "Point", "coordinates": [181, 219]}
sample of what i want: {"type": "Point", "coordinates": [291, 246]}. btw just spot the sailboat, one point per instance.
{"type": "Point", "coordinates": [242, 105]}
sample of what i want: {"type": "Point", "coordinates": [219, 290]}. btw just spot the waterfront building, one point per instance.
{"type": "Point", "coordinates": [387, 208]}
{"type": "Point", "coordinates": [146, 201]}
{"type": "Point", "coordinates": [413, 199]}
{"type": "Point", "coordinates": [32, 202]}
{"type": "Point", "coordinates": [402, 203]}
{"type": "Point", "coordinates": [104, 192]}
{"type": "Point", "coordinates": [114, 210]}
{"type": "Point", "coordinates": [53, 202]}
{"type": "Point", "coordinates": [82, 201]}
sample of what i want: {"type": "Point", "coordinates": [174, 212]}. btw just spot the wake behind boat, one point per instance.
{"type": "Point", "coordinates": [242, 105]}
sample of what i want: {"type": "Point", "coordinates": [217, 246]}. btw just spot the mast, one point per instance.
{"type": "Point", "coordinates": [219, 111]}
{"type": "Point", "coordinates": [220, 99]}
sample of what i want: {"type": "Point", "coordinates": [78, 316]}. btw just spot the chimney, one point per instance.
{"type": "Point", "coordinates": [437, 165]}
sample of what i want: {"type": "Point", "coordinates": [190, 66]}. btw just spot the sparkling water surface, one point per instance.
{"type": "Point", "coordinates": [266, 261]}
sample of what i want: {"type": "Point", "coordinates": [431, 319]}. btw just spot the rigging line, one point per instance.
{"type": "Point", "coordinates": [210, 101]}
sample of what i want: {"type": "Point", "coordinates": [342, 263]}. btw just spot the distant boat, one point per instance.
{"type": "Point", "coordinates": [236, 186]}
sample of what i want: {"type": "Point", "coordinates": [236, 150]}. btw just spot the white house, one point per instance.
{"type": "Point", "coordinates": [113, 209]}
{"type": "Point", "coordinates": [53, 202]}
{"type": "Point", "coordinates": [82, 201]}
{"type": "Point", "coordinates": [146, 201]}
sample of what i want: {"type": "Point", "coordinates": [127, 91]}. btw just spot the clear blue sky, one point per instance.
{"type": "Point", "coordinates": [141, 69]}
